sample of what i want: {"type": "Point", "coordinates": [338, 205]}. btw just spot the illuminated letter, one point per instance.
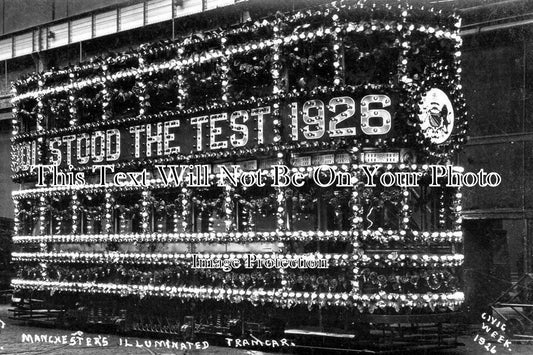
{"type": "Point", "coordinates": [199, 121]}
{"type": "Point", "coordinates": [170, 136]}
{"type": "Point", "coordinates": [55, 158]}
{"type": "Point", "coordinates": [98, 135]}
{"type": "Point", "coordinates": [137, 130]}
{"type": "Point", "coordinates": [260, 113]}
{"type": "Point", "coordinates": [112, 133]}
{"type": "Point", "coordinates": [239, 142]}
{"type": "Point", "coordinates": [155, 138]}
{"type": "Point", "coordinates": [68, 140]}
{"type": "Point", "coordinates": [215, 131]}
{"type": "Point", "coordinates": [367, 113]}
{"type": "Point", "coordinates": [317, 120]}
{"type": "Point", "coordinates": [349, 112]}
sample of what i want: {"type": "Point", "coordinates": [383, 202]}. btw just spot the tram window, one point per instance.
{"type": "Point", "coordinates": [168, 212]}
{"type": "Point", "coordinates": [314, 208]}
{"type": "Point", "coordinates": [162, 91]}
{"type": "Point", "coordinates": [41, 224]}
{"type": "Point", "coordinates": [309, 65]}
{"type": "Point", "coordinates": [27, 113]}
{"type": "Point", "coordinates": [202, 85]}
{"type": "Point", "coordinates": [128, 213]}
{"type": "Point", "coordinates": [123, 219]}
{"type": "Point", "coordinates": [382, 208]}
{"type": "Point", "coordinates": [124, 101]}
{"type": "Point", "coordinates": [28, 217]}
{"type": "Point", "coordinates": [429, 50]}
{"type": "Point", "coordinates": [55, 106]}
{"type": "Point", "coordinates": [337, 209]}
{"type": "Point", "coordinates": [366, 64]}
{"type": "Point", "coordinates": [61, 216]}
{"type": "Point", "coordinates": [160, 215]}
{"type": "Point", "coordinates": [432, 208]}
{"type": "Point", "coordinates": [255, 209]}
{"type": "Point", "coordinates": [91, 206]}
{"type": "Point", "coordinates": [208, 211]}
{"type": "Point", "coordinates": [56, 111]}
{"type": "Point", "coordinates": [302, 207]}
{"type": "Point", "coordinates": [88, 104]}
{"type": "Point", "coordinates": [123, 216]}
{"type": "Point", "coordinates": [250, 74]}
{"type": "Point", "coordinates": [123, 91]}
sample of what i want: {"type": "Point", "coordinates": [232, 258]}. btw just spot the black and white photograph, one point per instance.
{"type": "Point", "coordinates": [254, 177]}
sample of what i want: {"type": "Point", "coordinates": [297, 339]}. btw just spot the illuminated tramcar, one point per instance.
{"type": "Point", "coordinates": [157, 245]}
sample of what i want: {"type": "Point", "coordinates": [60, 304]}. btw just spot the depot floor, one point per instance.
{"type": "Point", "coordinates": [11, 342]}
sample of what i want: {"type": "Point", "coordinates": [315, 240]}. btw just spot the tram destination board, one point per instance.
{"type": "Point", "coordinates": [317, 119]}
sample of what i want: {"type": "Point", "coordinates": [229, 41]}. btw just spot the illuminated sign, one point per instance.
{"type": "Point", "coordinates": [241, 127]}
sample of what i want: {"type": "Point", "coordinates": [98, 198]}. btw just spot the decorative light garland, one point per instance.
{"type": "Point", "coordinates": [146, 211]}
{"type": "Point", "coordinates": [43, 209]}
{"type": "Point", "coordinates": [72, 102]}
{"type": "Point", "coordinates": [399, 259]}
{"type": "Point", "coordinates": [415, 281]}
{"type": "Point", "coordinates": [75, 206]}
{"type": "Point", "coordinates": [161, 259]}
{"type": "Point", "coordinates": [382, 300]}
{"type": "Point", "coordinates": [109, 206]}
{"type": "Point", "coordinates": [383, 237]}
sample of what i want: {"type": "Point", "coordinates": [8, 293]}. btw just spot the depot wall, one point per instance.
{"type": "Point", "coordinates": [16, 15]}
{"type": "Point", "coordinates": [498, 85]}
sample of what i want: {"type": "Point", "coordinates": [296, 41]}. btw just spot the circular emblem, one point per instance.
{"type": "Point", "coordinates": [436, 119]}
